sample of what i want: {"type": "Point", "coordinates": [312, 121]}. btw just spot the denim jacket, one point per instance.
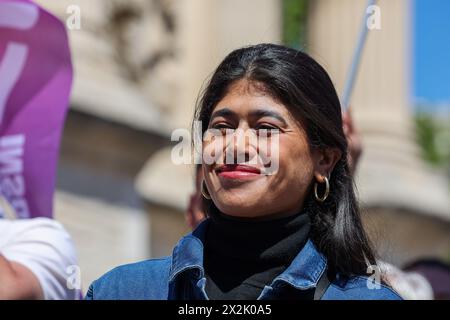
{"type": "Point", "coordinates": [182, 276]}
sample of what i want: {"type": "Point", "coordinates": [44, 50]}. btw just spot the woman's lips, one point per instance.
{"type": "Point", "coordinates": [237, 171]}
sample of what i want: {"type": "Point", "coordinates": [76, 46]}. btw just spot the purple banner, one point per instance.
{"type": "Point", "coordinates": [35, 83]}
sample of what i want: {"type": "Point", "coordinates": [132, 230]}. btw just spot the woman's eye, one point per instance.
{"type": "Point", "coordinates": [223, 127]}
{"type": "Point", "coordinates": [220, 126]}
{"type": "Point", "coordinates": [266, 129]}
{"type": "Point", "coordinates": [265, 126]}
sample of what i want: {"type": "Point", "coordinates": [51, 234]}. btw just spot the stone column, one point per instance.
{"type": "Point", "coordinates": [391, 169]}
{"type": "Point", "coordinates": [391, 175]}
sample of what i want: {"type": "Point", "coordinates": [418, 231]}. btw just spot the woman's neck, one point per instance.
{"type": "Point", "coordinates": [250, 238]}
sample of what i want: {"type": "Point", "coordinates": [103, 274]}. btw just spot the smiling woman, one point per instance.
{"type": "Point", "coordinates": [293, 232]}
{"type": "Point", "coordinates": [245, 191]}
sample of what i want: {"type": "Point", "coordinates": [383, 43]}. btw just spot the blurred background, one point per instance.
{"type": "Point", "coordinates": [139, 66]}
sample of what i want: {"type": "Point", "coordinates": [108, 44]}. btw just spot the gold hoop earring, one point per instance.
{"type": "Point", "coordinates": [327, 190]}
{"type": "Point", "coordinates": [204, 191]}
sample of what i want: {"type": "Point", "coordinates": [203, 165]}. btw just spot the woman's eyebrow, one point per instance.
{"type": "Point", "coordinates": [260, 113]}
{"type": "Point", "coordinates": [224, 112]}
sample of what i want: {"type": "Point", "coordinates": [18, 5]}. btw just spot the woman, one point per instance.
{"type": "Point", "coordinates": [285, 231]}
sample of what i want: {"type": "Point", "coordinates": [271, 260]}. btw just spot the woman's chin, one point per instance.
{"type": "Point", "coordinates": [239, 209]}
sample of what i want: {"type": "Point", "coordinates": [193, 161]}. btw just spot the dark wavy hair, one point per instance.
{"type": "Point", "coordinates": [300, 83]}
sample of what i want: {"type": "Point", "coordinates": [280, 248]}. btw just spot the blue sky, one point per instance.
{"type": "Point", "coordinates": [431, 52]}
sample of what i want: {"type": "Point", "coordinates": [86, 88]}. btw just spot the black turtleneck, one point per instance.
{"type": "Point", "coordinates": [243, 255]}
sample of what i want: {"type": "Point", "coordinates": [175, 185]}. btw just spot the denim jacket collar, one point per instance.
{"type": "Point", "coordinates": [188, 253]}
{"type": "Point", "coordinates": [303, 273]}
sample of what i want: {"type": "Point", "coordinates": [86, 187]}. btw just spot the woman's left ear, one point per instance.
{"type": "Point", "coordinates": [326, 160]}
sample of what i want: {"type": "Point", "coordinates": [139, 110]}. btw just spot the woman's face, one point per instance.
{"type": "Point", "coordinates": [237, 180]}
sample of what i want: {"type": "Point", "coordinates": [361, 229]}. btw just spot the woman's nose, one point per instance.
{"type": "Point", "coordinates": [242, 148]}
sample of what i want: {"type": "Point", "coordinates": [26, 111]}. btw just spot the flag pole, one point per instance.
{"type": "Point", "coordinates": [353, 70]}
